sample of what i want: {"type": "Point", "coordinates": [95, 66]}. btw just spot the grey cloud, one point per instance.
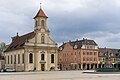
{"type": "Point", "coordinates": [68, 19]}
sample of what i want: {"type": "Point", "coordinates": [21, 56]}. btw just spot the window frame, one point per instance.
{"type": "Point", "coordinates": [30, 58]}
{"type": "Point", "coordinates": [52, 58]}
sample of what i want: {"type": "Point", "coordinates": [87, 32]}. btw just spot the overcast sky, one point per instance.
{"type": "Point", "coordinates": [67, 19]}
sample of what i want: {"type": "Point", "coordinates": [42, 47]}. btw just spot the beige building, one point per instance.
{"type": "Point", "coordinates": [34, 51]}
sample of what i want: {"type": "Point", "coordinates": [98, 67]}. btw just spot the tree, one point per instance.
{"type": "Point", "coordinates": [2, 47]}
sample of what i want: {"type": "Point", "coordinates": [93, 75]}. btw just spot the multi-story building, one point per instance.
{"type": "Point", "coordinates": [79, 54]}
{"type": "Point", "coordinates": [113, 54]}
{"type": "Point", "coordinates": [34, 50]}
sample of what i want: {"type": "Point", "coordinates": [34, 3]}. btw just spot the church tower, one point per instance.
{"type": "Point", "coordinates": [40, 27]}
{"type": "Point", "coordinates": [46, 47]}
{"type": "Point", "coordinates": [40, 20]}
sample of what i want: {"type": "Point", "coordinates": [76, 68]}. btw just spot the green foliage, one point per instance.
{"type": "Point", "coordinates": [2, 47]}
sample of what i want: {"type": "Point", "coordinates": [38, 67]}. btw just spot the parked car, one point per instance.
{"type": "Point", "coordinates": [2, 70]}
{"type": "Point", "coordinates": [9, 70]}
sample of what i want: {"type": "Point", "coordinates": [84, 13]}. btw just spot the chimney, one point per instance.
{"type": "Point", "coordinates": [13, 38]}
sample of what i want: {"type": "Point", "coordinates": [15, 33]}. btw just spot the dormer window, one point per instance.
{"type": "Point", "coordinates": [75, 47]}
{"type": "Point", "coordinates": [42, 23]}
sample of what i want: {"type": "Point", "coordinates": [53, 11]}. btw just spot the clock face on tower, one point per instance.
{"type": "Point", "coordinates": [42, 30]}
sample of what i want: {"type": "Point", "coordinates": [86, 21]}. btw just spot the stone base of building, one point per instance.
{"type": "Point", "coordinates": [78, 66]}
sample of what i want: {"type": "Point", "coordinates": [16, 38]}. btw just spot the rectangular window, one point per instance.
{"type": "Point", "coordinates": [90, 53]}
{"type": "Point", "coordinates": [52, 58]}
{"type": "Point", "coordinates": [84, 59]}
{"type": "Point", "coordinates": [95, 53]}
{"type": "Point", "coordinates": [90, 59]}
{"type": "Point", "coordinates": [18, 58]}
{"type": "Point", "coordinates": [5, 60]}
{"type": "Point", "coordinates": [11, 59]}
{"type": "Point", "coordinates": [14, 59]}
{"type": "Point", "coordinates": [84, 53]}
{"type": "Point", "coordinates": [23, 58]}
{"type": "Point", "coordinates": [87, 53]}
{"type": "Point", "coordinates": [8, 59]}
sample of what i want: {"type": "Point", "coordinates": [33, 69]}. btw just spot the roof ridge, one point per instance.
{"type": "Point", "coordinates": [27, 34]}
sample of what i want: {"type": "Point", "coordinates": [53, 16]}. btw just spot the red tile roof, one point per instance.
{"type": "Point", "coordinates": [79, 43]}
{"type": "Point", "coordinates": [19, 41]}
{"type": "Point", "coordinates": [40, 14]}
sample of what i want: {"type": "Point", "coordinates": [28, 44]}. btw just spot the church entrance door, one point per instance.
{"type": "Point", "coordinates": [42, 67]}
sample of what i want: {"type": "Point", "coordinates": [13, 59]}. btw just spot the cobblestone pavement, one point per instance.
{"type": "Point", "coordinates": [58, 75]}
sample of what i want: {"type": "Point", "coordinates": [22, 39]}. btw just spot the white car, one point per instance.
{"type": "Point", "coordinates": [9, 70]}
{"type": "Point", "coordinates": [1, 70]}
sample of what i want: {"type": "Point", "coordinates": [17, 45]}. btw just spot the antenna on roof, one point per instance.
{"type": "Point", "coordinates": [40, 5]}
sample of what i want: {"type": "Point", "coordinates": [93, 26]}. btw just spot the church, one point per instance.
{"type": "Point", "coordinates": [34, 51]}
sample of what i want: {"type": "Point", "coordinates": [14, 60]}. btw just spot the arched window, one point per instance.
{"type": "Point", "coordinates": [42, 38]}
{"type": "Point", "coordinates": [52, 58]}
{"type": "Point", "coordinates": [42, 23]}
{"type": "Point", "coordinates": [30, 58]}
{"type": "Point", "coordinates": [42, 57]}
{"type": "Point", "coordinates": [36, 23]}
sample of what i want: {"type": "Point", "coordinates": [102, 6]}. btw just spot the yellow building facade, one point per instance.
{"type": "Point", "coordinates": [34, 51]}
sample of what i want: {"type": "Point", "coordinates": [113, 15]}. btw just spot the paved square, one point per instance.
{"type": "Point", "coordinates": [57, 75]}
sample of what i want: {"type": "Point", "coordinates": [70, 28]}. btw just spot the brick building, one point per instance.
{"type": "Point", "coordinates": [79, 54]}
